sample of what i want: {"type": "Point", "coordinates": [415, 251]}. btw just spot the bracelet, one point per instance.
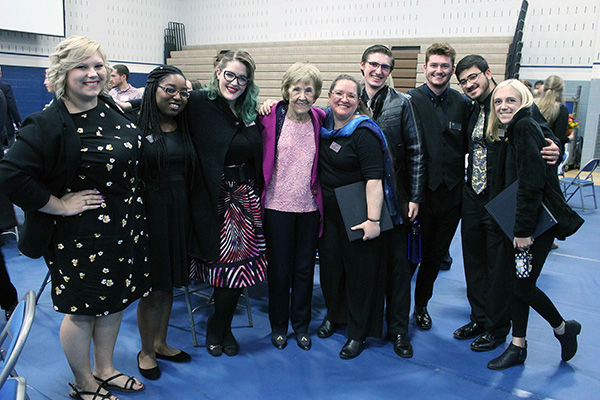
{"type": "Point", "coordinates": [373, 220]}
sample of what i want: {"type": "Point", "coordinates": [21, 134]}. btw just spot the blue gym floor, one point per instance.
{"type": "Point", "coordinates": [442, 367]}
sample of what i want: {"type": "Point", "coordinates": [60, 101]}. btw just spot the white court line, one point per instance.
{"type": "Point", "coordinates": [577, 257]}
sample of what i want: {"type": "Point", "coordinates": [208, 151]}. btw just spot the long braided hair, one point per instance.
{"type": "Point", "coordinates": [149, 122]}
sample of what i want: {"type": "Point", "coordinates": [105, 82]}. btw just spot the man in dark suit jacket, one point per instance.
{"type": "Point", "coordinates": [443, 115]}
{"type": "Point", "coordinates": [3, 117]}
{"type": "Point", "coordinates": [8, 293]}
{"type": "Point", "coordinates": [13, 116]}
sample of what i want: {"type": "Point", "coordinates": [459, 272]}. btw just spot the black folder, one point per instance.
{"type": "Point", "coordinates": [352, 201]}
{"type": "Point", "coordinates": [503, 209]}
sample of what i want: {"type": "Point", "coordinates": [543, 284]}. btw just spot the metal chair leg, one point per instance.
{"type": "Point", "coordinates": [42, 287]}
{"type": "Point", "coordinates": [248, 308]}
{"type": "Point", "coordinates": [188, 303]}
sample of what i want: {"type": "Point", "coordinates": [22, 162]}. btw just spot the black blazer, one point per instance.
{"type": "Point", "coordinates": [212, 126]}
{"type": "Point", "coordinates": [42, 162]}
{"type": "Point", "coordinates": [537, 180]}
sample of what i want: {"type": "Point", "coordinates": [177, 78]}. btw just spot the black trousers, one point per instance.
{"type": "Point", "coordinates": [8, 293]}
{"type": "Point", "coordinates": [291, 247]}
{"type": "Point", "coordinates": [352, 279]}
{"type": "Point", "coordinates": [526, 292]}
{"type": "Point", "coordinates": [487, 255]}
{"type": "Point", "coordinates": [439, 215]}
{"type": "Point", "coordinates": [397, 294]}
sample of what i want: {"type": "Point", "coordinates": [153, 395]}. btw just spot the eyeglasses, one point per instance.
{"type": "Point", "coordinates": [384, 67]}
{"type": "Point", "coordinates": [339, 94]}
{"type": "Point", "coordinates": [184, 93]}
{"type": "Point", "coordinates": [471, 78]}
{"type": "Point", "coordinates": [230, 77]}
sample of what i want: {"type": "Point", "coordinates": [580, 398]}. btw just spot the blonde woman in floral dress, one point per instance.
{"type": "Point", "coordinates": [73, 169]}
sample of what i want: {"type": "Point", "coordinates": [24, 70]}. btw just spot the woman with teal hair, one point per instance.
{"type": "Point", "coordinates": [228, 246]}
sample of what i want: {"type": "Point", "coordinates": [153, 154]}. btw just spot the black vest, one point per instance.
{"type": "Point", "coordinates": [444, 137]}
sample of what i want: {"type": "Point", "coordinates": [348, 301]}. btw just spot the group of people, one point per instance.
{"type": "Point", "coordinates": [200, 186]}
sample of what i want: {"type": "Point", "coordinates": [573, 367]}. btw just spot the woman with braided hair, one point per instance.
{"type": "Point", "coordinates": [168, 165]}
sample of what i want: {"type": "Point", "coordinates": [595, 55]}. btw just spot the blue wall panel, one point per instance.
{"type": "Point", "coordinates": [31, 94]}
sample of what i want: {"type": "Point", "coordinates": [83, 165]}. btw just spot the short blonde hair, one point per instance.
{"type": "Point", "coordinates": [303, 72]}
{"type": "Point", "coordinates": [526, 101]}
{"type": "Point", "coordinates": [66, 56]}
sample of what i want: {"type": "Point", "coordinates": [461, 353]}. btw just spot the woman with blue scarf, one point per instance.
{"type": "Point", "coordinates": [352, 149]}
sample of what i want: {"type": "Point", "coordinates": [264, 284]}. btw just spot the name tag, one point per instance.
{"type": "Point", "coordinates": [335, 146]}
{"type": "Point", "coordinates": [455, 125]}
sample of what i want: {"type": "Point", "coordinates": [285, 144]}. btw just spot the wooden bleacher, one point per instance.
{"type": "Point", "coordinates": [333, 57]}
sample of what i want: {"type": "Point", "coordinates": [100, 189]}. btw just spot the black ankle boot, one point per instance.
{"type": "Point", "coordinates": [568, 340]}
{"type": "Point", "coordinates": [513, 355]}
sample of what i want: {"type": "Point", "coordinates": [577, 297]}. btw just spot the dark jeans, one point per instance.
{"type": "Point", "coordinates": [526, 293]}
{"type": "Point", "coordinates": [291, 247]}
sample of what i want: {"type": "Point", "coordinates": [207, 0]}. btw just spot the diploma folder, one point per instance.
{"type": "Point", "coordinates": [352, 201]}
{"type": "Point", "coordinates": [503, 208]}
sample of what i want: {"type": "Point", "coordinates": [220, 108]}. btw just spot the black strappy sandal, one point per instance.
{"type": "Point", "coordinates": [128, 387]}
{"type": "Point", "coordinates": [76, 393]}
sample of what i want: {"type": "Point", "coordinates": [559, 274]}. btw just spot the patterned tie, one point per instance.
{"type": "Point", "coordinates": [479, 177]}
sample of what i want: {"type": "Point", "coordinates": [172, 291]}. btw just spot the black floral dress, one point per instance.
{"type": "Point", "coordinates": [99, 263]}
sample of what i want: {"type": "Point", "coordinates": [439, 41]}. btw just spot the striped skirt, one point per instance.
{"type": "Point", "coordinates": [242, 261]}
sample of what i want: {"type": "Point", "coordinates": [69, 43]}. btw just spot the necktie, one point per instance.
{"type": "Point", "coordinates": [479, 176]}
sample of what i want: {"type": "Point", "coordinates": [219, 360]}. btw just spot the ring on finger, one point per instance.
{"type": "Point", "coordinates": [86, 202]}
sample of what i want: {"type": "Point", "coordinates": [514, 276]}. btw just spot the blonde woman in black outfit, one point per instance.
{"type": "Point", "coordinates": [510, 111]}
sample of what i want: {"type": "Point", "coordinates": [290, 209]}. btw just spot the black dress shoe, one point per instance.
{"type": "Point", "coordinates": [303, 340]}
{"type": "Point", "coordinates": [352, 349]}
{"type": "Point", "coordinates": [422, 318]}
{"type": "Point", "coordinates": [326, 329]}
{"type": "Point", "coordinates": [279, 340]}
{"type": "Point", "coordinates": [446, 262]}
{"type": "Point", "coordinates": [402, 346]}
{"type": "Point", "coordinates": [182, 356]}
{"type": "Point", "coordinates": [230, 345]}
{"type": "Point", "coordinates": [469, 331]}
{"type": "Point", "coordinates": [148, 373]}
{"type": "Point", "coordinates": [513, 355]}
{"type": "Point", "coordinates": [487, 342]}
{"type": "Point", "coordinates": [568, 340]}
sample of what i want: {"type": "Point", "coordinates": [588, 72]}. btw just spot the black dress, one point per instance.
{"type": "Point", "coordinates": [98, 260]}
{"type": "Point", "coordinates": [168, 209]}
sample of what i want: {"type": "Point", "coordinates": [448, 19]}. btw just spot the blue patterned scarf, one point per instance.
{"type": "Point", "coordinates": [389, 182]}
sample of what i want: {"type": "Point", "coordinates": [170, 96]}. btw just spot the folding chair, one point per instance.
{"type": "Point", "coordinates": [14, 389]}
{"type": "Point", "coordinates": [584, 178]}
{"type": "Point", "coordinates": [562, 167]}
{"type": "Point", "coordinates": [14, 335]}
{"type": "Point", "coordinates": [45, 282]}
{"type": "Point", "coordinates": [187, 293]}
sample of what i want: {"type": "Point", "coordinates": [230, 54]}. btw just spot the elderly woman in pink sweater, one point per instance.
{"type": "Point", "coordinates": [292, 201]}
